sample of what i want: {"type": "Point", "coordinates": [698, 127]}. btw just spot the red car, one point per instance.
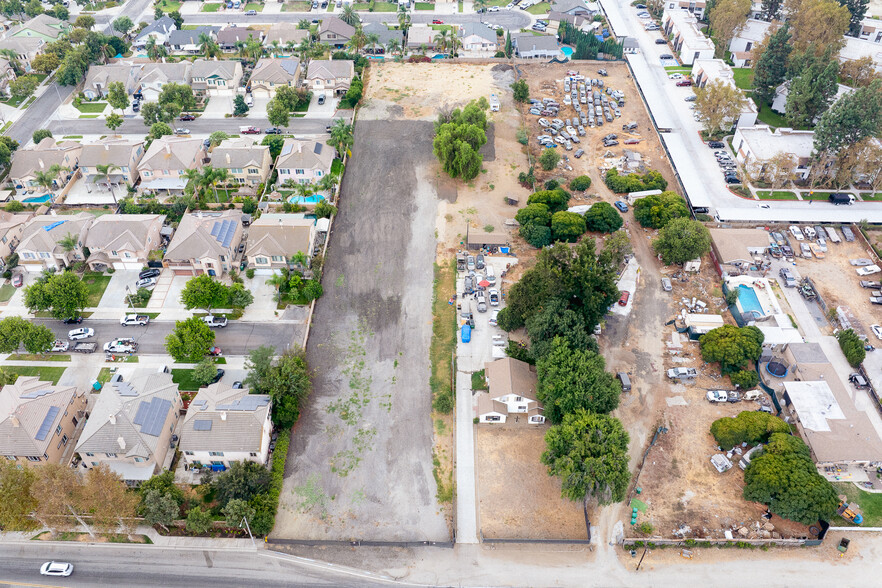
{"type": "Point", "coordinates": [684, 82]}
{"type": "Point", "coordinates": [17, 280]}
{"type": "Point", "coordinates": [187, 117]}
{"type": "Point", "coordinates": [250, 131]}
{"type": "Point", "coordinates": [623, 301]}
{"type": "Point", "coordinates": [436, 21]}
{"type": "Point", "coordinates": [215, 351]}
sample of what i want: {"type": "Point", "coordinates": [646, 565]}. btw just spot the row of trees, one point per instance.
{"type": "Point", "coordinates": [680, 238]}
{"type": "Point", "coordinates": [16, 332]}
{"type": "Point", "coordinates": [633, 182]}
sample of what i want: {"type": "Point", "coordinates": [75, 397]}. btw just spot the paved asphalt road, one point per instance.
{"type": "Point", "coordinates": [99, 565]}
{"type": "Point", "coordinates": [237, 338]}
{"type": "Point", "coordinates": [95, 126]}
{"type": "Point", "coordinates": [509, 19]}
{"type": "Point", "coordinates": [132, 9]}
{"type": "Point", "coordinates": [39, 112]}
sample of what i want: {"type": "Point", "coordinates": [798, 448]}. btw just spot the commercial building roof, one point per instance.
{"type": "Point", "coordinates": [765, 143]}
{"type": "Point", "coordinates": [738, 245]}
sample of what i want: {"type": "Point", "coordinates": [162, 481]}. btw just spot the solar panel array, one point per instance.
{"type": "Point", "coordinates": [124, 389]}
{"type": "Point", "coordinates": [201, 425]}
{"type": "Point", "coordinates": [37, 393]}
{"type": "Point", "coordinates": [317, 149]}
{"type": "Point", "coordinates": [223, 232]}
{"type": "Point", "coordinates": [151, 415]}
{"type": "Point", "coordinates": [247, 402]}
{"type": "Point", "coordinates": [43, 432]}
{"type": "Point", "coordinates": [201, 403]}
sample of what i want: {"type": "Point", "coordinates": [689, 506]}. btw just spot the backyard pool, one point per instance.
{"type": "Point", "coordinates": [314, 199]}
{"type": "Point", "coordinates": [568, 51]}
{"type": "Point", "coordinates": [440, 56]}
{"type": "Point", "coordinates": [38, 199]}
{"type": "Point", "coordinates": [749, 302]}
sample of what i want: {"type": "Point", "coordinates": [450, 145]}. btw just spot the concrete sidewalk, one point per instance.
{"type": "Point", "coordinates": [154, 536]}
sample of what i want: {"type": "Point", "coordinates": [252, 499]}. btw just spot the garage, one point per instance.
{"type": "Point", "coordinates": [183, 271]}
{"type": "Point", "coordinates": [127, 265]}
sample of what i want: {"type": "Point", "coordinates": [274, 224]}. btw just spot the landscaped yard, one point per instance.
{"type": "Point", "coordinates": [776, 195]}
{"type": "Point", "coordinates": [743, 77]}
{"type": "Point", "coordinates": [168, 5]}
{"type": "Point", "coordinates": [378, 6]}
{"type": "Point", "coordinates": [869, 505]}
{"type": "Point", "coordinates": [336, 167]}
{"type": "Point", "coordinates": [184, 379]}
{"type": "Point", "coordinates": [677, 69]}
{"type": "Point", "coordinates": [39, 357]}
{"type": "Point", "coordinates": [14, 101]}
{"type": "Point", "coordinates": [815, 195]}
{"type": "Point", "coordinates": [771, 118]}
{"type": "Point", "coordinates": [541, 8]}
{"type": "Point", "coordinates": [6, 292]}
{"type": "Point", "coordinates": [92, 107]}
{"type": "Point", "coordinates": [103, 376]}
{"type": "Point", "coordinates": [296, 7]}
{"type": "Point", "coordinates": [253, 6]}
{"type": "Point", "coordinates": [424, 6]}
{"type": "Point", "coordinates": [96, 283]}
{"type": "Point", "coordinates": [210, 7]}
{"type": "Point", "coordinates": [867, 197]}
{"type": "Point", "coordinates": [49, 374]}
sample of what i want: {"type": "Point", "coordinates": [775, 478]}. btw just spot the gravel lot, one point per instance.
{"type": "Point", "coordinates": [360, 463]}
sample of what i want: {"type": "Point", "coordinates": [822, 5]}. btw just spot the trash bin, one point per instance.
{"type": "Point", "coordinates": [96, 386]}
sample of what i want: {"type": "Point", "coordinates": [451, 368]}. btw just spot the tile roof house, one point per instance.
{"type": "Point", "coordinates": [248, 163]}
{"type": "Point", "coordinates": [334, 75]}
{"type": "Point", "coordinates": [283, 35]}
{"type": "Point", "coordinates": [40, 158]}
{"type": "Point", "coordinates": [228, 37]}
{"type": "Point", "coordinates": [131, 426]}
{"type": "Point", "coordinates": [270, 72]}
{"type": "Point", "coordinates": [420, 35]}
{"type": "Point", "coordinates": [122, 155]}
{"type": "Point", "coordinates": [24, 48]}
{"type": "Point", "coordinates": [42, 26]}
{"type": "Point", "coordinates": [186, 42]}
{"type": "Point", "coordinates": [274, 238]}
{"type": "Point", "coordinates": [163, 167]}
{"type": "Point", "coordinates": [11, 230]}
{"type": "Point", "coordinates": [205, 242]}
{"type": "Point", "coordinates": [39, 420]}
{"type": "Point", "coordinates": [513, 386]}
{"type": "Point", "coordinates": [574, 7]}
{"type": "Point", "coordinates": [159, 31]}
{"type": "Point", "coordinates": [101, 76]}
{"type": "Point", "coordinates": [304, 162]}
{"type": "Point", "coordinates": [476, 36]}
{"type": "Point", "coordinates": [39, 248]}
{"type": "Point", "coordinates": [384, 35]}
{"type": "Point", "coordinates": [123, 241]}
{"type": "Point", "coordinates": [529, 46]}
{"type": "Point", "coordinates": [335, 32]}
{"type": "Point", "coordinates": [156, 75]}
{"type": "Point", "coordinates": [224, 425]}
{"type": "Point", "coordinates": [212, 76]}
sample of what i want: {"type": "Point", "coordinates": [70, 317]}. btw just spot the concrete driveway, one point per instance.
{"type": "Point", "coordinates": [325, 110]}
{"type": "Point", "coordinates": [218, 106]}
{"type": "Point", "coordinates": [160, 291]}
{"type": "Point", "coordinates": [264, 306]}
{"type": "Point", "coordinates": [115, 294]}
{"type": "Point", "coordinates": [628, 283]}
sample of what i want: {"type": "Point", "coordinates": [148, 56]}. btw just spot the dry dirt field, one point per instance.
{"type": "Point", "coordinates": [517, 498]}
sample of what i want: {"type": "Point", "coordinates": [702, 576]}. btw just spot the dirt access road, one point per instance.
{"type": "Point", "coordinates": [360, 462]}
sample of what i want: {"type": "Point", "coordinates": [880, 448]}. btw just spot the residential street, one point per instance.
{"type": "Point", "coordinates": [509, 19]}
{"type": "Point", "coordinates": [96, 126]}
{"type": "Point", "coordinates": [39, 112]}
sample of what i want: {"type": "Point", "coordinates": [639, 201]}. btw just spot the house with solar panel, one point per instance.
{"type": "Point", "coordinates": [226, 424]}
{"type": "Point", "coordinates": [205, 242]}
{"type": "Point", "coordinates": [304, 162]}
{"type": "Point", "coordinates": [39, 421]}
{"type": "Point", "coordinates": [131, 426]}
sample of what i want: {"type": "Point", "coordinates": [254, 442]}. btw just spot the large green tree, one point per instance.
{"type": "Point", "coordinates": [203, 292]}
{"type": "Point", "coordinates": [750, 426]}
{"type": "Point", "coordinates": [813, 86]}
{"type": "Point", "coordinates": [589, 453]}
{"type": "Point", "coordinates": [733, 347]}
{"type": "Point", "coordinates": [159, 509]}
{"type": "Point", "coordinates": [458, 137]}
{"type": "Point", "coordinates": [190, 340]}
{"type": "Point", "coordinates": [572, 379]}
{"type": "Point", "coordinates": [16, 503]}
{"type": "Point", "coordinates": [117, 96]}
{"type": "Point", "coordinates": [286, 380]}
{"type": "Point", "coordinates": [63, 294]}
{"type": "Point", "coordinates": [603, 218]}
{"type": "Point", "coordinates": [857, 9]}
{"type": "Point", "coordinates": [854, 117]}
{"type": "Point", "coordinates": [179, 95]}
{"type": "Point", "coordinates": [682, 239]}
{"type": "Point", "coordinates": [771, 68]}
{"type": "Point", "coordinates": [567, 226]}
{"type": "Point", "coordinates": [557, 322]}
{"type": "Point", "coordinates": [656, 211]}
{"type": "Point", "coordinates": [242, 481]}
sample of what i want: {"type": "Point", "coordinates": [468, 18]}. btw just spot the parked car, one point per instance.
{"type": "Point", "coordinates": [182, 131]}
{"type": "Point", "coordinates": [579, 153]}
{"type": "Point", "coordinates": [666, 284]}
{"type": "Point", "coordinates": [716, 145]}
{"type": "Point", "coordinates": [321, 99]}
{"type": "Point", "coordinates": [249, 130]}
{"type": "Point", "coordinates": [17, 280]}
{"type": "Point", "coordinates": [187, 117]}
{"type": "Point", "coordinates": [273, 131]}
{"type": "Point", "coordinates": [684, 82]}
{"type": "Point", "coordinates": [479, 261]}
{"type": "Point", "coordinates": [796, 232]}
{"type": "Point", "coordinates": [494, 297]}
{"type": "Point", "coordinates": [734, 396]}
{"type": "Point", "coordinates": [877, 330]}
{"type": "Point", "coordinates": [74, 320]}
{"type": "Point", "coordinates": [691, 98]}
{"type": "Point", "coordinates": [59, 346]}
{"type": "Point", "coordinates": [81, 333]}
{"type": "Point", "coordinates": [56, 568]}
{"type": "Point", "coordinates": [217, 376]}
{"type": "Point", "coordinates": [437, 21]}
{"type": "Point", "coordinates": [495, 314]}
{"type": "Point", "coordinates": [717, 396]}
{"type": "Point", "coordinates": [215, 321]}
{"type": "Point", "coordinates": [145, 283]}
{"type": "Point", "coordinates": [621, 206]}
{"type": "Point", "coordinates": [660, 42]}
{"type": "Point", "coordinates": [470, 263]}
{"type": "Point", "coordinates": [623, 299]}
{"type": "Point", "coordinates": [150, 273]}
{"type": "Point", "coordinates": [482, 302]}
{"type": "Point", "coordinates": [250, 12]}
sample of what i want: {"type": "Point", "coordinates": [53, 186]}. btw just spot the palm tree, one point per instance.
{"type": "Point", "coordinates": [348, 15]}
{"type": "Point", "coordinates": [304, 190]}
{"type": "Point", "coordinates": [69, 242]}
{"type": "Point", "coordinates": [392, 46]}
{"type": "Point", "coordinates": [208, 47]}
{"type": "Point", "coordinates": [403, 18]}
{"type": "Point", "coordinates": [156, 51]}
{"type": "Point", "coordinates": [219, 176]}
{"type": "Point", "coordinates": [358, 39]}
{"type": "Point", "coordinates": [46, 179]}
{"type": "Point", "coordinates": [441, 40]}
{"type": "Point", "coordinates": [341, 136]}
{"type": "Point", "coordinates": [253, 48]}
{"type": "Point", "coordinates": [423, 49]}
{"type": "Point", "coordinates": [327, 183]}
{"type": "Point", "coordinates": [455, 44]}
{"type": "Point", "coordinates": [275, 44]}
{"type": "Point", "coordinates": [103, 175]}
{"type": "Point", "coordinates": [194, 179]}
{"type": "Point", "coordinates": [373, 40]}
{"type": "Point", "coordinates": [12, 57]}
{"type": "Point", "coordinates": [277, 281]}
{"type": "Point", "coordinates": [299, 259]}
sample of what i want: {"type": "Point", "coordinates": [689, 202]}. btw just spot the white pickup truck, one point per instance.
{"type": "Point", "coordinates": [121, 346]}
{"type": "Point", "coordinates": [682, 373]}
{"type": "Point", "coordinates": [215, 321]}
{"type": "Point", "coordinates": [134, 319]}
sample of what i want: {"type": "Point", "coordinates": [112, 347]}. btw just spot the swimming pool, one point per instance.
{"type": "Point", "coordinates": [314, 199]}
{"type": "Point", "coordinates": [749, 302]}
{"type": "Point", "coordinates": [568, 51]}
{"type": "Point", "coordinates": [38, 199]}
{"type": "Point", "coordinates": [440, 56]}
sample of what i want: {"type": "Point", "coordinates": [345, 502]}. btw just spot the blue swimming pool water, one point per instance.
{"type": "Point", "coordinates": [568, 51]}
{"type": "Point", "coordinates": [440, 56]}
{"type": "Point", "coordinates": [748, 300]}
{"type": "Point", "coordinates": [38, 199]}
{"type": "Point", "coordinates": [314, 199]}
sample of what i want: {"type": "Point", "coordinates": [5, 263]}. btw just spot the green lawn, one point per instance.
{"type": "Point", "coordinates": [168, 5]}
{"type": "Point", "coordinates": [184, 379]}
{"type": "Point", "coordinates": [378, 6]}
{"type": "Point", "coordinates": [866, 197]}
{"type": "Point", "coordinates": [773, 119]}
{"type": "Point", "coordinates": [210, 7]}
{"type": "Point", "coordinates": [6, 292]}
{"type": "Point", "coordinates": [336, 170]}
{"type": "Point", "coordinates": [92, 107]}
{"type": "Point", "coordinates": [296, 7]}
{"type": "Point", "coordinates": [815, 195]}
{"type": "Point", "coordinates": [89, 115]}
{"type": "Point", "coordinates": [869, 505]}
{"type": "Point", "coordinates": [776, 195]}
{"type": "Point", "coordinates": [441, 27]}
{"type": "Point", "coordinates": [103, 376]}
{"type": "Point", "coordinates": [15, 101]}
{"type": "Point", "coordinates": [39, 357]}
{"type": "Point", "coordinates": [424, 6]}
{"type": "Point", "coordinates": [743, 77]}
{"type": "Point", "coordinates": [254, 6]}
{"type": "Point", "coordinates": [541, 8]}
{"type": "Point", "coordinates": [96, 283]}
{"type": "Point", "coordinates": [678, 69]}
{"type": "Point", "coordinates": [49, 374]}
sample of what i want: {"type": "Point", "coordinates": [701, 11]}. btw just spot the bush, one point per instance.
{"type": "Point", "coordinates": [567, 226]}
{"type": "Point", "coordinates": [556, 200]}
{"type": "Point", "coordinates": [580, 184]}
{"type": "Point", "coordinates": [14, 206]}
{"type": "Point", "coordinates": [266, 504]}
{"type": "Point", "coordinates": [603, 218]}
{"type": "Point", "coordinates": [656, 211]}
{"type": "Point", "coordinates": [549, 159]}
{"type": "Point", "coordinates": [536, 235]}
{"type": "Point", "coordinates": [522, 136]}
{"type": "Point", "coordinates": [745, 379]}
{"type": "Point", "coordinates": [852, 347]}
{"type": "Point", "coordinates": [749, 427]}
{"type": "Point", "coordinates": [249, 272]}
{"type": "Point", "coordinates": [552, 185]}
{"type": "Point", "coordinates": [537, 213]}
{"type": "Point", "coordinates": [651, 180]}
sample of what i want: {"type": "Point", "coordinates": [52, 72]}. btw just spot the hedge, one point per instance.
{"type": "Point", "coordinates": [266, 504]}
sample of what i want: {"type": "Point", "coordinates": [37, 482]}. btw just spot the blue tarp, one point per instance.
{"type": "Point", "coordinates": [49, 227]}
{"type": "Point", "coordinates": [218, 468]}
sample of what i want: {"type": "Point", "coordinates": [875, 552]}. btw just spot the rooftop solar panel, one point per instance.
{"type": "Point", "coordinates": [124, 389]}
{"type": "Point", "coordinates": [245, 403]}
{"type": "Point", "coordinates": [317, 149]}
{"type": "Point", "coordinates": [201, 425]}
{"type": "Point", "coordinates": [155, 418]}
{"type": "Point", "coordinates": [141, 414]}
{"type": "Point", "coordinates": [215, 228]}
{"type": "Point", "coordinates": [36, 393]}
{"type": "Point", "coordinates": [47, 423]}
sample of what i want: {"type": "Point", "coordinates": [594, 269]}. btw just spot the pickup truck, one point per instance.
{"type": "Point", "coordinates": [682, 373]}
{"type": "Point", "coordinates": [215, 321]}
{"type": "Point", "coordinates": [59, 346]}
{"type": "Point", "coordinates": [134, 319]}
{"type": "Point", "coordinates": [121, 346]}
{"type": "Point", "coordinates": [868, 271]}
{"type": "Point", "coordinates": [85, 347]}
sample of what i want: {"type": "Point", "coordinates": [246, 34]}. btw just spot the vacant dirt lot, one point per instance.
{"type": "Point", "coordinates": [360, 463]}
{"type": "Point", "coordinates": [517, 497]}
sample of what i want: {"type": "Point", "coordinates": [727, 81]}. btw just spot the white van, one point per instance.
{"type": "Point", "coordinates": [249, 100]}
{"type": "Point", "coordinates": [752, 395]}
{"type": "Point", "coordinates": [491, 274]}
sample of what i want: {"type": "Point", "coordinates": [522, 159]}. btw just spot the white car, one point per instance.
{"type": "Point", "coordinates": [495, 314]}
{"type": "Point", "coordinates": [675, 76]}
{"type": "Point", "coordinates": [794, 230]}
{"type": "Point", "coordinates": [877, 330]}
{"type": "Point", "coordinates": [493, 9]}
{"type": "Point", "coordinates": [59, 346]}
{"type": "Point", "coordinates": [56, 568]}
{"type": "Point", "coordinates": [145, 283]}
{"type": "Point", "coordinates": [868, 271]}
{"type": "Point", "coordinates": [717, 396]}
{"type": "Point", "coordinates": [83, 333]}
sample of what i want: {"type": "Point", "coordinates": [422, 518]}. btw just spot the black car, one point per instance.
{"type": "Point", "coordinates": [150, 273]}
{"type": "Point", "coordinates": [187, 117]}
{"type": "Point", "coordinates": [73, 321]}
{"type": "Point", "coordinates": [237, 385]}
{"type": "Point", "coordinates": [217, 376]}
{"type": "Point", "coordinates": [732, 180]}
{"type": "Point", "coordinates": [273, 131]}
{"type": "Point", "coordinates": [136, 106]}
{"type": "Point", "coordinates": [716, 145]}
{"type": "Point", "coordinates": [660, 42]}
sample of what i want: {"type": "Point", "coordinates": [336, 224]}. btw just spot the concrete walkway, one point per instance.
{"type": "Point", "coordinates": [156, 538]}
{"type": "Point", "coordinates": [466, 494]}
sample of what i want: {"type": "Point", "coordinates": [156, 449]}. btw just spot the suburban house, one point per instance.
{"type": "Point", "coordinates": [529, 46]}
{"type": "Point", "coordinates": [705, 71]}
{"type": "Point", "coordinates": [121, 155]}
{"type": "Point", "coordinates": [224, 425]}
{"type": "Point", "coordinates": [186, 42]}
{"type": "Point", "coordinates": [123, 241]}
{"type": "Point", "coordinates": [101, 76]}
{"type": "Point", "coordinates": [681, 28]}
{"type": "Point", "coordinates": [230, 37]}
{"type": "Point", "coordinates": [695, 8]}
{"type": "Point", "coordinates": [11, 230]}
{"type": "Point", "coordinates": [282, 36]}
{"type": "Point", "coordinates": [7, 75]}
{"type": "Point", "coordinates": [272, 72]}
{"type": "Point", "coordinates": [131, 426]}
{"type": "Point", "coordinates": [40, 248]}
{"type": "Point", "coordinates": [159, 31]}
{"type": "Point", "coordinates": [585, 24]}
{"type": "Point", "coordinates": [304, 162]}
{"type": "Point", "coordinates": [419, 36]}
{"type": "Point", "coordinates": [871, 30]}
{"type": "Point", "coordinates": [42, 26]}
{"type": "Point", "coordinates": [512, 385]}
{"type": "Point", "coordinates": [274, 238]}
{"type": "Point", "coordinates": [384, 35]}
{"type": "Point", "coordinates": [779, 103]}
{"type": "Point", "coordinates": [335, 32]}
{"type": "Point", "coordinates": [24, 49]}
{"type": "Point", "coordinates": [163, 167]}
{"type": "Point", "coordinates": [575, 7]}
{"type": "Point", "coordinates": [210, 76]}
{"type": "Point", "coordinates": [757, 144]}
{"type": "Point", "coordinates": [247, 162]}
{"type": "Point", "coordinates": [40, 158]}
{"type": "Point", "coordinates": [205, 242]}
{"type": "Point", "coordinates": [478, 37]}
{"type": "Point", "coordinates": [330, 75]}
{"type": "Point", "coordinates": [39, 420]}
{"type": "Point", "coordinates": [156, 75]}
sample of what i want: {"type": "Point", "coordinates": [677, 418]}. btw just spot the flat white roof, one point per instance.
{"type": "Point", "coordinates": [856, 48]}
{"type": "Point", "coordinates": [815, 404]}
{"type": "Point", "coordinates": [765, 144]}
{"type": "Point", "coordinates": [687, 26]}
{"type": "Point", "coordinates": [754, 30]}
{"type": "Point", "coordinates": [714, 69]}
